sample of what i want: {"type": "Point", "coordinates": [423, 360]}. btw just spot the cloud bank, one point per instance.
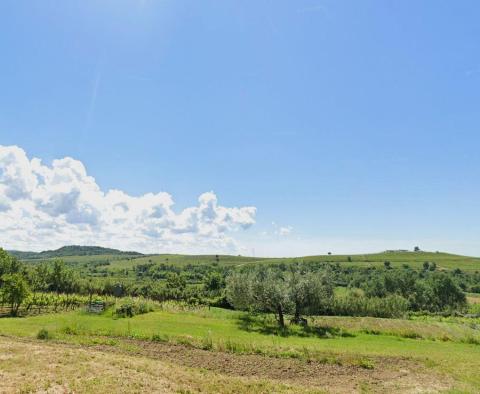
{"type": "Point", "coordinates": [47, 206]}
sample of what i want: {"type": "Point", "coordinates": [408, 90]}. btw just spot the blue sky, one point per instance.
{"type": "Point", "coordinates": [348, 125]}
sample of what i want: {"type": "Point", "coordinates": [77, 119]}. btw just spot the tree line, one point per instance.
{"type": "Point", "coordinates": [296, 289]}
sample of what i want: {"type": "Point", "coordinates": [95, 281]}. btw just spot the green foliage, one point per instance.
{"type": "Point", "coordinates": [311, 293]}
{"type": "Point", "coordinates": [357, 304]}
{"type": "Point", "coordinates": [475, 288]}
{"type": "Point", "coordinates": [263, 290]}
{"type": "Point", "coordinates": [270, 290]}
{"type": "Point", "coordinates": [8, 264]}
{"type": "Point", "coordinates": [44, 334]}
{"type": "Point", "coordinates": [214, 283]}
{"type": "Point", "coordinates": [14, 291]}
{"type": "Point", "coordinates": [132, 307]}
{"type": "Point", "coordinates": [300, 287]}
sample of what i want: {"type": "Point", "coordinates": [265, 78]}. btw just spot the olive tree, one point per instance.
{"type": "Point", "coordinates": [261, 291]}
{"type": "Point", "coordinates": [280, 293]}
{"type": "Point", "coordinates": [310, 293]}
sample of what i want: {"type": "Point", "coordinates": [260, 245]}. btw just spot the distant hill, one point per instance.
{"type": "Point", "coordinates": [396, 258]}
{"type": "Point", "coordinates": [71, 250]}
{"type": "Point", "coordinates": [126, 260]}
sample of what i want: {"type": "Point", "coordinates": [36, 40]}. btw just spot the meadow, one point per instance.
{"type": "Point", "coordinates": [447, 349]}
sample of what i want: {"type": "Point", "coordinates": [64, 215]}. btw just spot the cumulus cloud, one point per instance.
{"type": "Point", "coordinates": [44, 206]}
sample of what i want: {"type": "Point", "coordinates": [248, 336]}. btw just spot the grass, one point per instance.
{"type": "Point", "coordinates": [344, 340]}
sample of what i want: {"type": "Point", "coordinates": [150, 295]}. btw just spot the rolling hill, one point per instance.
{"type": "Point", "coordinates": [70, 250]}
{"type": "Point", "coordinates": [121, 259]}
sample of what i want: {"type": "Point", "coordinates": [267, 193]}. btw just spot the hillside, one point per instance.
{"type": "Point", "coordinates": [117, 259]}
{"type": "Point", "coordinates": [70, 250]}
{"type": "Point", "coordinates": [396, 258]}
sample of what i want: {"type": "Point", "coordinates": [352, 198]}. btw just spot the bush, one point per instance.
{"type": "Point", "coordinates": [475, 289]}
{"type": "Point", "coordinates": [44, 335]}
{"type": "Point", "coordinates": [130, 308]}
{"type": "Point", "coordinates": [355, 304]}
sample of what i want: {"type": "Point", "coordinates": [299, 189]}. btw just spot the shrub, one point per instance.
{"type": "Point", "coordinates": [44, 334]}
{"type": "Point", "coordinates": [475, 289]}
{"type": "Point", "coordinates": [366, 363]}
{"type": "Point", "coordinates": [354, 304]}
{"type": "Point", "coordinates": [131, 307]}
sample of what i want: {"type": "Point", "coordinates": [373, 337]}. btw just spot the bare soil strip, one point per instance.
{"type": "Point", "coordinates": [397, 374]}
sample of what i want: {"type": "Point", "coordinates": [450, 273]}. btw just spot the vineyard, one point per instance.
{"type": "Point", "coordinates": [40, 303]}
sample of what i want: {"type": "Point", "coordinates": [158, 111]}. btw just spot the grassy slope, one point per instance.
{"type": "Point", "coordinates": [220, 327]}
{"type": "Point", "coordinates": [397, 259]}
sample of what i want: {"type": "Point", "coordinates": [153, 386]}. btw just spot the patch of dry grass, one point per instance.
{"type": "Point", "coordinates": [38, 367]}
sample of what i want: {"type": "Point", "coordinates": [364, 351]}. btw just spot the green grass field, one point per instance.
{"type": "Point", "coordinates": [448, 347]}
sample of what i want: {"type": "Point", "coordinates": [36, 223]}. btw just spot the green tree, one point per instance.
{"type": "Point", "coordinates": [446, 294]}
{"type": "Point", "coordinates": [213, 283]}
{"type": "Point", "coordinates": [175, 281]}
{"type": "Point", "coordinates": [14, 291]}
{"type": "Point", "coordinates": [8, 264]}
{"type": "Point", "coordinates": [262, 290]}
{"type": "Point", "coordinates": [310, 293]}
{"type": "Point", "coordinates": [61, 279]}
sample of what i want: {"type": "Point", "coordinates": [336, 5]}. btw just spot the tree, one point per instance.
{"type": "Point", "coordinates": [446, 294]}
{"type": "Point", "coordinates": [8, 264]}
{"type": "Point", "coordinates": [61, 279]}
{"type": "Point", "coordinates": [262, 290]}
{"type": "Point", "coordinates": [214, 282]}
{"type": "Point", "coordinates": [269, 290]}
{"type": "Point", "coordinates": [310, 293]}
{"type": "Point", "coordinates": [175, 281]}
{"type": "Point", "coordinates": [14, 291]}
{"type": "Point", "coordinates": [239, 291]}
{"type": "Point", "coordinates": [416, 249]}
{"type": "Point", "coordinates": [438, 293]}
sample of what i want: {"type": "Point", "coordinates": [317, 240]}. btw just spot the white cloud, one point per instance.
{"type": "Point", "coordinates": [44, 206]}
{"type": "Point", "coordinates": [282, 231]}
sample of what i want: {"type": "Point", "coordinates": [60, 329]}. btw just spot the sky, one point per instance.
{"type": "Point", "coordinates": [267, 128]}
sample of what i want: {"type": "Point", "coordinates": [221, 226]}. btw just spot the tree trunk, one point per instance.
{"type": "Point", "coordinates": [281, 320]}
{"type": "Point", "coordinates": [296, 316]}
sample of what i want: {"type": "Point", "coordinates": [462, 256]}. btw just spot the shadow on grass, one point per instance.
{"type": "Point", "coordinates": [266, 325]}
